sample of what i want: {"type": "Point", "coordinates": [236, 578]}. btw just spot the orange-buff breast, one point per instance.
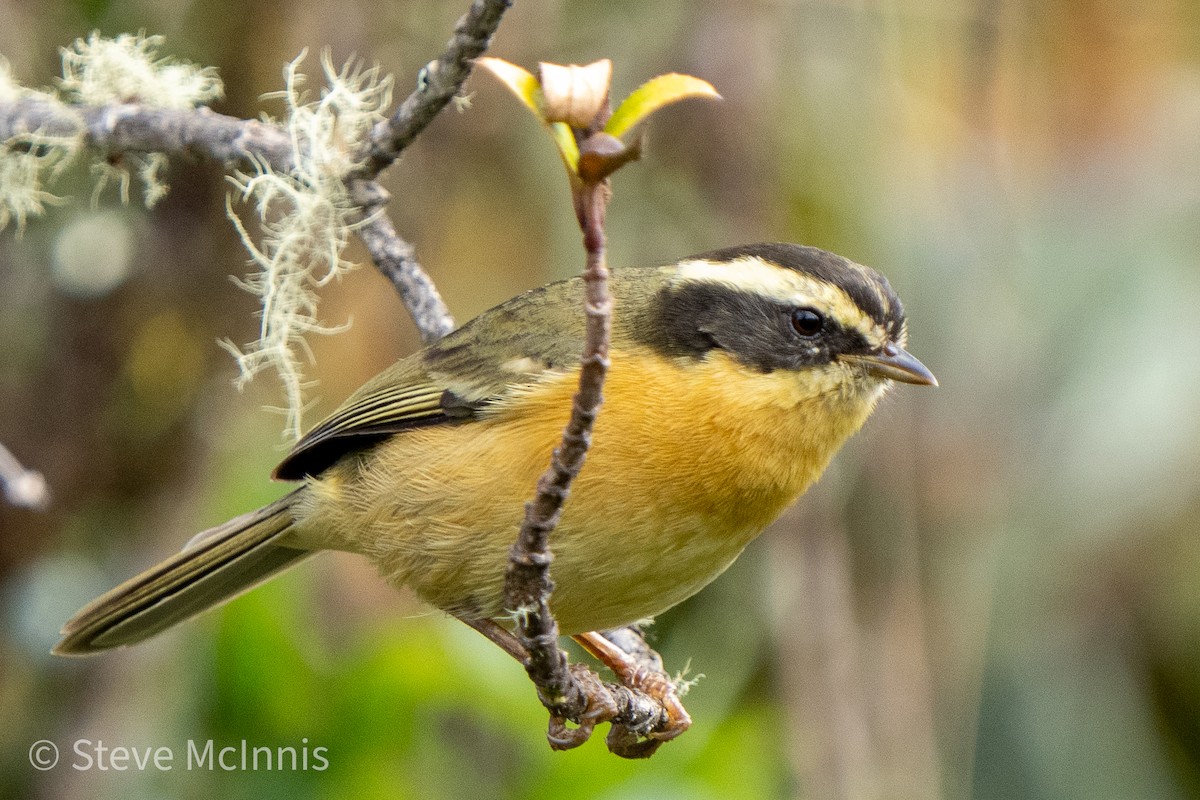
{"type": "Point", "coordinates": [689, 462]}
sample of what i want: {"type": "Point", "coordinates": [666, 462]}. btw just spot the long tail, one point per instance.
{"type": "Point", "coordinates": [215, 566]}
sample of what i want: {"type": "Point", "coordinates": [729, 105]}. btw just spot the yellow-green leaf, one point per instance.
{"type": "Point", "coordinates": [653, 95]}
{"type": "Point", "coordinates": [567, 146]}
{"type": "Point", "coordinates": [518, 80]}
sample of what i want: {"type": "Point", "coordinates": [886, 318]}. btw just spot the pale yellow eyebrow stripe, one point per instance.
{"type": "Point", "coordinates": [753, 275]}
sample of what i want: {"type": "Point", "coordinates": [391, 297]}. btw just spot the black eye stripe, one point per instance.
{"type": "Point", "coordinates": [764, 333]}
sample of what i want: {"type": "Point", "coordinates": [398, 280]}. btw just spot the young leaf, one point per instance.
{"type": "Point", "coordinates": [568, 148]}
{"type": "Point", "coordinates": [519, 81]}
{"type": "Point", "coordinates": [653, 95]}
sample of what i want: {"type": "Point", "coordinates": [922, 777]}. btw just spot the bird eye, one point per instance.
{"type": "Point", "coordinates": [807, 322]}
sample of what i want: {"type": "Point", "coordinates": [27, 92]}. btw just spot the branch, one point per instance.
{"type": "Point", "coordinates": [573, 103]}
{"type": "Point", "coordinates": [22, 487]}
{"type": "Point", "coordinates": [439, 81]}
{"type": "Point", "coordinates": [233, 142]}
{"type": "Point", "coordinates": [394, 257]}
{"type": "Point", "coordinates": [138, 128]}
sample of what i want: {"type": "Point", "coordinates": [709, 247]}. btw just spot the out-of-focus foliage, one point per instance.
{"type": "Point", "coordinates": [995, 593]}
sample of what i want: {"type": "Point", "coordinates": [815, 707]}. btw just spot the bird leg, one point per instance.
{"type": "Point", "coordinates": [498, 635]}
{"type": "Point", "coordinates": [645, 704]}
{"type": "Point", "coordinates": [645, 675]}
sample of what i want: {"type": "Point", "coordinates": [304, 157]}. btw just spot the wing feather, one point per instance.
{"type": "Point", "coordinates": [499, 353]}
{"type": "Point", "coordinates": [363, 420]}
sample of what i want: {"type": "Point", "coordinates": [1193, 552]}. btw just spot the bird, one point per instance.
{"type": "Point", "coordinates": [735, 377]}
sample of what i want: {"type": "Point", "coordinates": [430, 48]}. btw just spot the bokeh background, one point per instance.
{"type": "Point", "coordinates": [995, 592]}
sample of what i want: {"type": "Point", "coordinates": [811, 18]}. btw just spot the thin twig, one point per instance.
{"type": "Point", "coordinates": [25, 488]}
{"type": "Point", "coordinates": [440, 80]}
{"type": "Point", "coordinates": [393, 256]}
{"type": "Point", "coordinates": [528, 585]}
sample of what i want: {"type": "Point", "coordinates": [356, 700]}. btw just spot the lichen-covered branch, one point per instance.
{"type": "Point", "coordinates": [234, 142]}
{"type": "Point", "coordinates": [137, 128]}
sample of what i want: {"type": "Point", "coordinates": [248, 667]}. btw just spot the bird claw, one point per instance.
{"type": "Point", "coordinates": [563, 737]}
{"type": "Point", "coordinates": [601, 708]}
{"type": "Point", "coordinates": [625, 743]}
{"type": "Point", "coordinates": [660, 688]}
{"type": "Point", "coordinates": [644, 726]}
{"type": "Point", "coordinates": [650, 681]}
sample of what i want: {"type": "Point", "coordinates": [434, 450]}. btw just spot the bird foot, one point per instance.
{"type": "Point", "coordinates": [649, 681]}
{"type": "Point", "coordinates": [601, 708]}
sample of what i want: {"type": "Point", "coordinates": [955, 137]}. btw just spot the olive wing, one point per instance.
{"type": "Point", "coordinates": [453, 379]}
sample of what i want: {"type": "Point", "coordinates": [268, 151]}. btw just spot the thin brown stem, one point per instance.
{"type": "Point", "coordinates": [497, 635]}
{"type": "Point", "coordinates": [528, 585]}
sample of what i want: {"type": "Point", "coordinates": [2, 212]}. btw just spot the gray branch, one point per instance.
{"type": "Point", "coordinates": [440, 80]}
{"type": "Point", "coordinates": [394, 258]}
{"type": "Point", "coordinates": [22, 487]}
{"type": "Point", "coordinates": [234, 142]}
{"type": "Point", "coordinates": [136, 128]}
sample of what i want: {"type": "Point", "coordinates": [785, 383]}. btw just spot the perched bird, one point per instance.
{"type": "Point", "coordinates": [736, 375]}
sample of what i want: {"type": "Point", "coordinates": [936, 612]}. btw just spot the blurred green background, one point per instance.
{"type": "Point", "coordinates": [995, 593]}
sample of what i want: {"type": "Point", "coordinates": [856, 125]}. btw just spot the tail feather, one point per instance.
{"type": "Point", "coordinates": [215, 566]}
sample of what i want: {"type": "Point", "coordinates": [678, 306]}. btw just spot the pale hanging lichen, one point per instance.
{"type": "Point", "coordinates": [10, 90]}
{"type": "Point", "coordinates": [304, 218]}
{"type": "Point", "coordinates": [28, 161]}
{"type": "Point", "coordinates": [149, 168]}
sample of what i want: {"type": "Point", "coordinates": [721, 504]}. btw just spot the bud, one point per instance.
{"type": "Point", "coordinates": [600, 155]}
{"type": "Point", "coordinates": [576, 95]}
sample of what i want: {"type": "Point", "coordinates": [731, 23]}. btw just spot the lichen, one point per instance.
{"type": "Point", "coordinates": [28, 161]}
{"type": "Point", "coordinates": [304, 217]}
{"type": "Point", "coordinates": [96, 72]}
{"type": "Point", "coordinates": [128, 69]}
